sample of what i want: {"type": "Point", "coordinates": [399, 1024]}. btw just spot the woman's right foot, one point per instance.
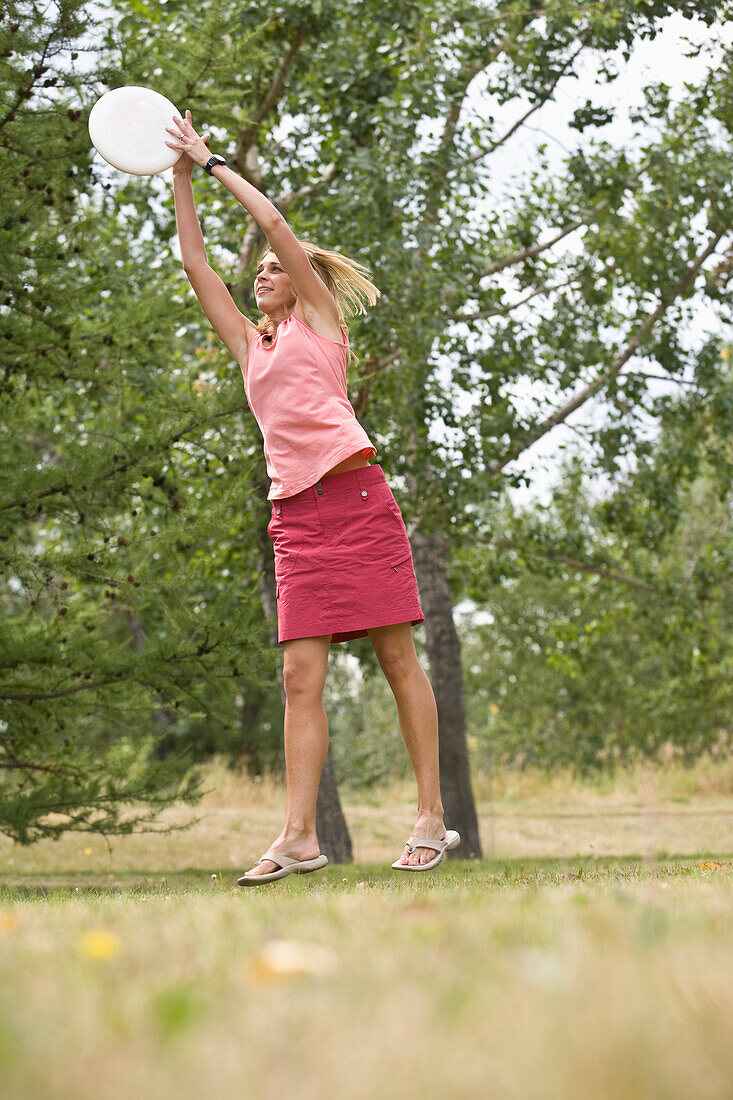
{"type": "Point", "coordinates": [299, 848]}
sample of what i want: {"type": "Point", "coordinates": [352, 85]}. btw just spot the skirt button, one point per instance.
{"type": "Point", "coordinates": [320, 492]}
{"type": "Point", "coordinates": [278, 511]}
{"type": "Point", "coordinates": [364, 492]}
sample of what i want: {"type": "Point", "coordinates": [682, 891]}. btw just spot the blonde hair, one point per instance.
{"type": "Point", "coordinates": [347, 280]}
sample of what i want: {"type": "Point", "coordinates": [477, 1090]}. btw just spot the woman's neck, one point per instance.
{"type": "Point", "coordinates": [277, 319]}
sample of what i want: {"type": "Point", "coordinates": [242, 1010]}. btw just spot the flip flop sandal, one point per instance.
{"type": "Point", "coordinates": [287, 866]}
{"type": "Point", "coordinates": [451, 840]}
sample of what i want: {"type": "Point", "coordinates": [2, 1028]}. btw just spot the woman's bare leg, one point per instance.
{"type": "Point", "coordinates": [418, 718]}
{"type": "Point", "coordinates": [305, 663]}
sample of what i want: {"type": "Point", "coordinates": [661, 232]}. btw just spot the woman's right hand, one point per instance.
{"type": "Point", "coordinates": [193, 148]}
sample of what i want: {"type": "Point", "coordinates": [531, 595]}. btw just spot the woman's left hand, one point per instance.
{"type": "Point", "coordinates": [188, 141]}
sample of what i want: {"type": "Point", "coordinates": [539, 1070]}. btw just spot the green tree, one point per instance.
{"type": "Point", "coordinates": [129, 598]}
{"type": "Point", "coordinates": [611, 613]}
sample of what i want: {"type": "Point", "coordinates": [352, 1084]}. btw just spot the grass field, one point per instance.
{"type": "Point", "coordinates": [590, 955]}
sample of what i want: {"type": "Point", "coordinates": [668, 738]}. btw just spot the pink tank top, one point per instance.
{"type": "Point", "coordinates": [296, 389]}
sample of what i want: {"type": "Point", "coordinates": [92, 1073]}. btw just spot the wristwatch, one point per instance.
{"type": "Point", "coordinates": [214, 159]}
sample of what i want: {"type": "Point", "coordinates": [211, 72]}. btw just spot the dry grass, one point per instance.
{"type": "Point", "coordinates": [645, 813]}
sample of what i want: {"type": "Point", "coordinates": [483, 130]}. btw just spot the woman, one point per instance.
{"type": "Point", "coordinates": [343, 563]}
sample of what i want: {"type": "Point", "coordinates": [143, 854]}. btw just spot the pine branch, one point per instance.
{"type": "Point", "coordinates": [39, 697]}
{"type": "Point", "coordinates": [121, 467]}
{"type": "Point", "coordinates": [25, 765]}
{"type": "Point", "coordinates": [23, 93]}
{"type": "Point", "coordinates": [172, 658]}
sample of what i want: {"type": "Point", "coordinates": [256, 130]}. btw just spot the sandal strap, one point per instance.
{"type": "Point", "coordinates": [278, 858]}
{"type": "Point", "coordinates": [424, 842]}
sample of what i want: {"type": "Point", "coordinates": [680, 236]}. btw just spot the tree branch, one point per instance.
{"type": "Point", "coordinates": [285, 201]}
{"type": "Point", "coordinates": [580, 566]}
{"type": "Point", "coordinates": [65, 486]}
{"type": "Point", "coordinates": [534, 250]}
{"type": "Point", "coordinates": [542, 246]}
{"type": "Point", "coordinates": [615, 368]}
{"type": "Point", "coordinates": [520, 121]}
{"type": "Point", "coordinates": [484, 314]}
{"type": "Point", "coordinates": [607, 574]}
{"type": "Point", "coordinates": [248, 134]}
{"type": "Point", "coordinates": [372, 367]}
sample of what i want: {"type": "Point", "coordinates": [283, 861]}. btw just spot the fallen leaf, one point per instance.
{"type": "Point", "coordinates": [280, 959]}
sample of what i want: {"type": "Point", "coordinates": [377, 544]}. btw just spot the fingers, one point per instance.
{"type": "Point", "coordinates": [181, 135]}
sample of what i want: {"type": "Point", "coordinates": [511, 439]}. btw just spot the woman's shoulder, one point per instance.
{"type": "Point", "coordinates": [325, 329]}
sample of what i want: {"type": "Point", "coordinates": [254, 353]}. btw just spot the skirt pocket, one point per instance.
{"type": "Point", "coordinates": [401, 561]}
{"type": "Point", "coordinates": [390, 507]}
{"type": "Point", "coordinates": [287, 545]}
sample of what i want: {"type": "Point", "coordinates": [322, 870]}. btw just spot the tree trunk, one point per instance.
{"type": "Point", "coordinates": [334, 839]}
{"type": "Point", "coordinates": [333, 833]}
{"type": "Point", "coordinates": [446, 673]}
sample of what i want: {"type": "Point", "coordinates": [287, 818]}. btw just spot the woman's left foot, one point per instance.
{"type": "Point", "coordinates": [427, 825]}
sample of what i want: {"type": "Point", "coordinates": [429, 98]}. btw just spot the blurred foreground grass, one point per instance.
{"type": "Point", "coordinates": [531, 975]}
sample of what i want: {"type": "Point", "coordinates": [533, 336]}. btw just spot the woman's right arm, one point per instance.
{"type": "Point", "coordinates": [233, 328]}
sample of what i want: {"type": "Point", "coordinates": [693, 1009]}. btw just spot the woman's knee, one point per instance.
{"type": "Point", "coordinates": [398, 662]}
{"type": "Point", "coordinates": [304, 673]}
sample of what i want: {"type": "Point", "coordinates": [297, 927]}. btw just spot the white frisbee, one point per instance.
{"type": "Point", "coordinates": [127, 127]}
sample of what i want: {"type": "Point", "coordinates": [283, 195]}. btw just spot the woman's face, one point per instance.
{"type": "Point", "coordinates": [274, 291]}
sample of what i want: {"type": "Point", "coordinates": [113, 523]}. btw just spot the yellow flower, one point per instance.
{"type": "Point", "coordinates": [87, 851]}
{"type": "Point", "coordinates": [710, 865]}
{"type": "Point", "coordinates": [98, 944]}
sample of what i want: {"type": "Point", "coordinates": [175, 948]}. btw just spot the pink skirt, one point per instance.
{"type": "Point", "coordinates": [343, 561]}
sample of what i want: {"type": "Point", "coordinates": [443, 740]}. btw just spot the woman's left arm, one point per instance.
{"type": "Point", "coordinates": [309, 286]}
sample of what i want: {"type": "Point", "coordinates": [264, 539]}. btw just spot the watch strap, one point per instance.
{"type": "Point", "coordinates": [215, 158]}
